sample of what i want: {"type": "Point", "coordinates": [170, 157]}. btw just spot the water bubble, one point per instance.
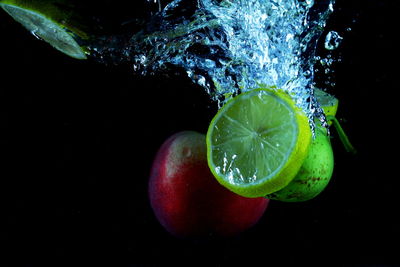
{"type": "Point", "coordinates": [332, 40]}
{"type": "Point", "coordinates": [331, 7]}
{"type": "Point", "coordinates": [201, 80]}
{"type": "Point", "coordinates": [209, 63]}
{"type": "Point", "coordinates": [327, 62]}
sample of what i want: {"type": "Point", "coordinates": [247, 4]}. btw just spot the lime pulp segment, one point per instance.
{"type": "Point", "coordinates": [46, 29]}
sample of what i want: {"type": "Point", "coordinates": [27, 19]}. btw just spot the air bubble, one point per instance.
{"type": "Point", "coordinates": [332, 40]}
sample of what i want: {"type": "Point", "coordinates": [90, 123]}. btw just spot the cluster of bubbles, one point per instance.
{"type": "Point", "coordinates": [232, 46]}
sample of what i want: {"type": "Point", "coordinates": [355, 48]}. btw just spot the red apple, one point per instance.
{"type": "Point", "coordinates": [187, 199]}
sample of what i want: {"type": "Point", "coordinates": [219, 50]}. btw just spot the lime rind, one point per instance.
{"type": "Point", "coordinates": [238, 158]}
{"type": "Point", "coordinates": [48, 23]}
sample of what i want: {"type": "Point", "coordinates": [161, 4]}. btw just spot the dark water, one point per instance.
{"type": "Point", "coordinates": [77, 140]}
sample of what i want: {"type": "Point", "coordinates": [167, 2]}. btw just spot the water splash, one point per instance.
{"type": "Point", "coordinates": [231, 46]}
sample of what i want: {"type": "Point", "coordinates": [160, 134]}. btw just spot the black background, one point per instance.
{"type": "Point", "coordinates": [77, 140]}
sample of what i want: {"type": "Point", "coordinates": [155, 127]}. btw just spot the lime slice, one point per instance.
{"type": "Point", "coordinates": [257, 142]}
{"type": "Point", "coordinates": [49, 21]}
{"type": "Point", "coordinates": [328, 102]}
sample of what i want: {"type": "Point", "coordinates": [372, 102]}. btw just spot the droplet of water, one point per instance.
{"type": "Point", "coordinates": [332, 40]}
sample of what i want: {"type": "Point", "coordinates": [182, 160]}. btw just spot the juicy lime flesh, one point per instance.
{"type": "Point", "coordinates": [252, 138]}
{"type": "Point", "coordinates": [47, 30]}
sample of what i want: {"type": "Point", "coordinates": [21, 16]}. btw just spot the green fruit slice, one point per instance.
{"type": "Point", "coordinates": [328, 102]}
{"type": "Point", "coordinates": [257, 142]}
{"type": "Point", "coordinates": [51, 22]}
{"type": "Point", "coordinates": [315, 173]}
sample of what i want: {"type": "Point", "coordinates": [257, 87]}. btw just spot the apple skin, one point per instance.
{"type": "Point", "coordinates": [186, 198]}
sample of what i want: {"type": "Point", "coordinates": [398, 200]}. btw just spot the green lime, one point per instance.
{"type": "Point", "coordinates": [315, 173]}
{"type": "Point", "coordinates": [257, 142]}
{"type": "Point", "coordinates": [51, 21]}
{"type": "Point", "coordinates": [328, 102]}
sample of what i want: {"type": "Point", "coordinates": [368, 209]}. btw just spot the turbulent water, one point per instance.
{"type": "Point", "coordinates": [231, 46]}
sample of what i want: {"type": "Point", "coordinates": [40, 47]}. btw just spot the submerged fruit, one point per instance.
{"type": "Point", "coordinates": [315, 173]}
{"type": "Point", "coordinates": [50, 20]}
{"type": "Point", "coordinates": [186, 198]}
{"type": "Point", "coordinates": [257, 142]}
